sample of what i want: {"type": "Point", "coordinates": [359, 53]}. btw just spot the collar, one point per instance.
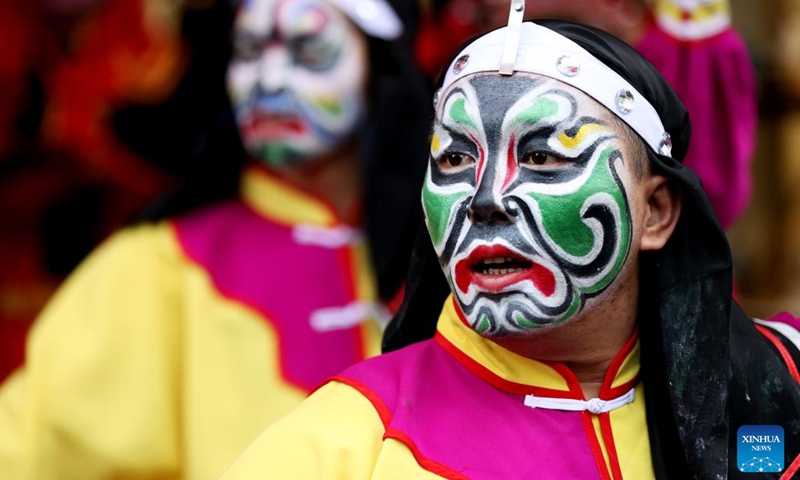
{"type": "Point", "coordinates": [283, 202]}
{"type": "Point", "coordinates": [520, 375]}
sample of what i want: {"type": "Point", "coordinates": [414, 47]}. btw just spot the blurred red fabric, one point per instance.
{"type": "Point", "coordinates": [53, 142]}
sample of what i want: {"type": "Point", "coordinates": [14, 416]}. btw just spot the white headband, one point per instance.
{"type": "Point", "coordinates": [375, 17]}
{"type": "Point", "coordinates": [545, 52]}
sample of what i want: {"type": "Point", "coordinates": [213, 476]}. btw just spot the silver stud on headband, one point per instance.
{"type": "Point", "coordinates": [540, 51]}
{"type": "Point", "coordinates": [436, 98]}
{"type": "Point", "coordinates": [624, 101]}
{"type": "Point", "coordinates": [665, 148]}
{"type": "Point", "coordinates": [567, 65]}
{"type": "Point", "coordinates": [460, 63]}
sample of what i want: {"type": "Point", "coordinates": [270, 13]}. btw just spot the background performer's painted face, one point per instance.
{"type": "Point", "coordinates": [524, 200]}
{"type": "Point", "coordinates": [297, 80]}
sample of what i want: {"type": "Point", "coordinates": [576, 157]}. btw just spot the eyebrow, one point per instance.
{"type": "Point", "coordinates": [251, 36]}
{"type": "Point", "coordinates": [461, 142]}
{"type": "Point", "coordinates": [581, 122]}
{"type": "Point", "coordinates": [319, 27]}
{"type": "Point", "coordinates": [247, 33]}
{"type": "Point", "coordinates": [535, 140]}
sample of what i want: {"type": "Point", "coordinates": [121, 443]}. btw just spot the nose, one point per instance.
{"type": "Point", "coordinates": [274, 69]}
{"type": "Point", "coordinates": [486, 208]}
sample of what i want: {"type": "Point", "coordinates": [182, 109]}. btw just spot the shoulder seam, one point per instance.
{"type": "Point", "coordinates": [380, 406]}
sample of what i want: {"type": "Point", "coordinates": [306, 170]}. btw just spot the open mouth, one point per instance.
{"type": "Point", "coordinates": [494, 268]}
{"type": "Point", "coordinates": [500, 266]}
{"type": "Point", "coordinates": [266, 126]}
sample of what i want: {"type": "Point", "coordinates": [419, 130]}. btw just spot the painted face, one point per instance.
{"type": "Point", "coordinates": [297, 79]}
{"type": "Point", "coordinates": [525, 200]}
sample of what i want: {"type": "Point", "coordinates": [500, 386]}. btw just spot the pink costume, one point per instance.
{"type": "Point", "coordinates": [708, 65]}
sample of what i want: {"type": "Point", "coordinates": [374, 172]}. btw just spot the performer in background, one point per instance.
{"type": "Point", "coordinates": [180, 338]}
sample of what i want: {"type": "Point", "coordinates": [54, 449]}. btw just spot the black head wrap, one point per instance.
{"type": "Point", "coordinates": [394, 137]}
{"type": "Point", "coordinates": [705, 368]}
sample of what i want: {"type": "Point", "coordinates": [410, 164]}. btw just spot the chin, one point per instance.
{"type": "Point", "coordinates": [504, 314]}
{"type": "Point", "coordinates": [281, 155]}
{"type": "Point", "coordinates": [527, 333]}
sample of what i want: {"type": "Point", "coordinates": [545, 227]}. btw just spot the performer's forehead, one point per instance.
{"type": "Point", "coordinates": [261, 17]}
{"type": "Point", "coordinates": [496, 94]}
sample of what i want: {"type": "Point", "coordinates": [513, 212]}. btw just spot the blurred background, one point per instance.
{"type": "Point", "coordinates": [105, 104]}
{"type": "Point", "coordinates": [766, 239]}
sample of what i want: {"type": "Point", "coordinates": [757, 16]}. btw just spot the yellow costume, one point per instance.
{"type": "Point", "coordinates": [459, 406]}
{"type": "Point", "coordinates": [175, 343]}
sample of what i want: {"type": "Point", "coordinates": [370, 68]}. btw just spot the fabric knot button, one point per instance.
{"type": "Point", "coordinates": [596, 406]}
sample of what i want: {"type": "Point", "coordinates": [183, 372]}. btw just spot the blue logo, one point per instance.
{"type": "Point", "coordinates": [760, 448]}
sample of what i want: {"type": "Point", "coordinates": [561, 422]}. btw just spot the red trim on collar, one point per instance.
{"type": "Point", "coordinates": [620, 390]}
{"type": "Point", "coordinates": [501, 383]}
{"type": "Point", "coordinates": [594, 444]}
{"type": "Point", "coordinates": [787, 358]}
{"type": "Point", "coordinates": [608, 439]}
{"type": "Point", "coordinates": [606, 390]}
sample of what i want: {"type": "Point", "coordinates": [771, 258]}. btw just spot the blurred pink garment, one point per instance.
{"type": "Point", "coordinates": [715, 79]}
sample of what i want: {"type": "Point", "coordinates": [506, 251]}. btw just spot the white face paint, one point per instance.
{"type": "Point", "coordinates": [526, 200]}
{"type": "Point", "coordinates": [297, 79]}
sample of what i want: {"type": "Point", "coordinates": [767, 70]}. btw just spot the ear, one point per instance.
{"type": "Point", "coordinates": [663, 208]}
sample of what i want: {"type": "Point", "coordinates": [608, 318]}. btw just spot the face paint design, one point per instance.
{"type": "Point", "coordinates": [297, 79]}
{"type": "Point", "coordinates": [523, 201]}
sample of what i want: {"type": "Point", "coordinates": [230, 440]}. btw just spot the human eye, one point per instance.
{"type": "Point", "coordinates": [247, 47]}
{"type": "Point", "coordinates": [315, 53]}
{"type": "Point", "coordinates": [454, 162]}
{"type": "Point", "coordinates": [542, 160]}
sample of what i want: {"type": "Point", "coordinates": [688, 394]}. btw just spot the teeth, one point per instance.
{"type": "Point", "coordinates": [490, 261]}
{"type": "Point", "coordinates": [502, 271]}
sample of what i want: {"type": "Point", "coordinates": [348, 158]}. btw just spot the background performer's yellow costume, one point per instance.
{"type": "Point", "coordinates": [177, 342]}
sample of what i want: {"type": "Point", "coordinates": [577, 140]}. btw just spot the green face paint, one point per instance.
{"type": "Point", "coordinates": [523, 201]}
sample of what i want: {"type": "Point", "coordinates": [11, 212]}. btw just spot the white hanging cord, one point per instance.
{"type": "Point", "coordinates": [509, 59]}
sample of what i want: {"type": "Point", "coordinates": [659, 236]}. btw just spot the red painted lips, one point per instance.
{"type": "Point", "coordinates": [265, 126]}
{"type": "Point", "coordinates": [484, 270]}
